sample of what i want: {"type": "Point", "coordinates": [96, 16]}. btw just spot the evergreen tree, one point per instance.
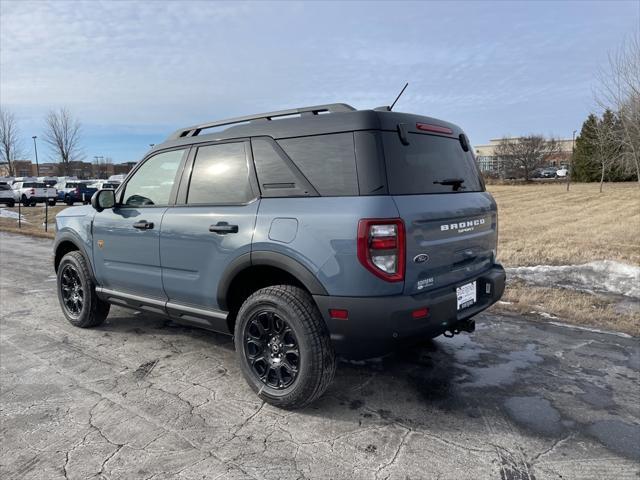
{"type": "Point", "coordinates": [585, 165]}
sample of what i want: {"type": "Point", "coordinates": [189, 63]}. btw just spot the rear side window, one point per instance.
{"type": "Point", "coordinates": [429, 164]}
{"type": "Point", "coordinates": [220, 175]}
{"type": "Point", "coordinates": [275, 174]}
{"type": "Point", "coordinates": [328, 162]}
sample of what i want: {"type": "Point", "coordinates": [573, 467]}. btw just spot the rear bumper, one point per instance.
{"type": "Point", "coordinates": [378, 325]}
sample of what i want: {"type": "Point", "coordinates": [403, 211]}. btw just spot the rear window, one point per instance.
{"type": "Point", "coordinates": [33, 185]}
{"type": "Point", "coordinates": [327, 161]}
{"type": "Point", "coordinates": [429, 164]}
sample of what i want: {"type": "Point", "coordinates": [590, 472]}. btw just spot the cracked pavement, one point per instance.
{"type": "Point", "coordinates": [143, 398]}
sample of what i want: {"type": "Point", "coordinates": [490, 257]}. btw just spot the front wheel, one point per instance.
{"type": "Point", "coordinates": [283, 346]}
{"type": "Point", "coordinates": [76, 293]}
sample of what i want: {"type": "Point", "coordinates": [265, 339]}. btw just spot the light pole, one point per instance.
{"type": "Point", "coordinates": [573, 152]}
{"type": "Point", "coordinates": [36, 150]}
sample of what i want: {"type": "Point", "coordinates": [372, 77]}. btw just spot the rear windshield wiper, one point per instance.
{"type": "Point", "coordinates": [456, 183]}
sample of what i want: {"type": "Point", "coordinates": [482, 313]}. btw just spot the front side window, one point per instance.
{"type": "Point", "coordinates": [152, 183]}
{"type": "Point", "coordinates": [220, 175]}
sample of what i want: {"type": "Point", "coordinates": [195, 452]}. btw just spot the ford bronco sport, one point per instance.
{"type": "Point", "coordinates": [306, 234]}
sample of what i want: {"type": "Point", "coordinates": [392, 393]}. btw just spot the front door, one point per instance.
{"type": "Point", "coordinates": [211, 225]}
{"type": "Point", "coordinates": [126, 239]}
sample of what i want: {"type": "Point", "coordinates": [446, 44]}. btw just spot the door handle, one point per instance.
{"type": "Point", "coordinates": [222, 228]}
{"type": "Point", "coordinates": [143, 225]}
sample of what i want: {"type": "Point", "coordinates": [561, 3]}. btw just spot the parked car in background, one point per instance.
{"type": "Point", "coordinates": [105, 184]}
{"type": "Point", "coordinates": [548, 172]}
{"type": "Point", "coordinates": [32, 192]}
{"type": "Point", "coordinates": [562, 172]}
{"type": "Point", "coordinates": [8, 195]}
{"type": "Point", "coordinates": [74, 192]}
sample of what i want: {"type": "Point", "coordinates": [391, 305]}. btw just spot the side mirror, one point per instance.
{"type": "Point", "coordinates": [103, 199]}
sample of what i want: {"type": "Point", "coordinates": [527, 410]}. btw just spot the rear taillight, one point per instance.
{"type": "Point", "coordinates": [381, 247]}
{"type": "Point", "coordinates": [33, 191]}
{"type": "Point", "coordinates": [78, 191]}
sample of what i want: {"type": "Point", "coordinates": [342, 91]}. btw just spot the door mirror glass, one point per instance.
{"type": "Point", "coordinates": [103, 199]}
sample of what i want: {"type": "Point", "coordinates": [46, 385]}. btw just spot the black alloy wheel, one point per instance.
{"type": "Point", "coordinates": [72, 291]}
{"type": "Point", "coordinates": [272, 349]}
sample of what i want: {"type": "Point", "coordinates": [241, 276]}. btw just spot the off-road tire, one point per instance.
{"type": "Point", "coordinates": [317, 362]}
{"type": "Point", "coordinates": [93, 311]}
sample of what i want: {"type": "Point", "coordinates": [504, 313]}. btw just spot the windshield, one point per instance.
{"type": "Point", "coordinates": [429, 164]}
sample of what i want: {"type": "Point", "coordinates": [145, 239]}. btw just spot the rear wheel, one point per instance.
{"type": "Point", "coordinates": [68, 200]}
{"type": "Point", "coordinates": [11, 203]}
{"type": "Point", "coordinates": [52, 202]}
{"type": "Point", "coordinates": [76, 293]}
{"type": "Point", "coordinates": [25, 201]}
{"type": "Point", "coordinates": [283, 346]}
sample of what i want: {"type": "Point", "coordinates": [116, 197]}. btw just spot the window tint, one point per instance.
{"type": "Point", "coordinates": [328, 162]}
{"type": "Point", "coordinates": [151, 184]}
{"type": "Point", "coordinates": [429, 164]}
{"type": "Point", "coordinates": [220, 175]}
{"type": "Point", "coordinates": [274, 175]}
{"type": "Point", "coordinates": [4, 186]}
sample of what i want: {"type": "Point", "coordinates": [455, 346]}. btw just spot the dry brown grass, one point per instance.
{"type": "Point", "coordinates": [570, 306]}
{"type": "Point", "coordinates": [33, 223]}
{"type": "Point", "coordinates": [545, 224]}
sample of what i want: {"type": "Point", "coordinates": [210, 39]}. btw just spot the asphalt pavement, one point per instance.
{"type": "Point", "coordinates": [143, 398]}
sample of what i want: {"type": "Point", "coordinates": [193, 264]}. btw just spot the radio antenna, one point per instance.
{"type": "Point", "coordinates": [399, 95]}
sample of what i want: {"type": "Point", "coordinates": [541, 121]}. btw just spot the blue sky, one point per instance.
{"type": "Point", "coordinates": [133, 72]}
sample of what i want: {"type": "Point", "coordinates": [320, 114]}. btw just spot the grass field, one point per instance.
{"type": "Point", "coordinates": [540, 224]}
{"type": "Point", "coordinates": [543, 224]}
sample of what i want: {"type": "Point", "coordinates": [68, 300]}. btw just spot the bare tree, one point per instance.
{"type": "Point", "coordinates": [10, 146]}
{"type": "Point", "coordinates": [522, 155]}
{"type": "Point", "coordinates": [609, 151]}
{"type": "Point", "coordinates": [62, 133]}
{"type": "Point", "coordinates": [620, 91]}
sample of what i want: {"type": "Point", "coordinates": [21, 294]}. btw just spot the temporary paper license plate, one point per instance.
{"type": "Point", "coordinates": [466, 295]}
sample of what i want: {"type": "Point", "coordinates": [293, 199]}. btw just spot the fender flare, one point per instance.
{"type": "Point", "coordinates": [68, 236]}
{"type": "Point", "coordinates": [270, 259]}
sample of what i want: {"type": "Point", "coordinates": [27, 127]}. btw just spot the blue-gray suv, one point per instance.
{"type": "Point", "coordinates": [306, 234]}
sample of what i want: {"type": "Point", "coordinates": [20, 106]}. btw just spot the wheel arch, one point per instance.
{"type": "Point", "coordinates": [259, 269]}
{"type": "Point", "coordinates": [65, 243]}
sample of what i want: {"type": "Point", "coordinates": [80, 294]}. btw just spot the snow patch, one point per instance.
{"type": "Point", "coordinates": [545, 315]}
{"type": "Point", "coordinates": [594, 330]}
{"type": "Point", "coordinates": [605, 276]}
{"type": "Point", "coordinates": [4, 213]}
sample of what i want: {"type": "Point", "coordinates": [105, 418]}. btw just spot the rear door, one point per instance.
{"type": "Point", "coordinates": [450, 220]}
{"type": "Point", "coordinates": [126, 239]}
{"type": "Point", "coordinates": [211, 225]}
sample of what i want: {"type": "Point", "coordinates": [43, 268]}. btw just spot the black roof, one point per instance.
{"type": "Point", "coordinates": [298, 122]}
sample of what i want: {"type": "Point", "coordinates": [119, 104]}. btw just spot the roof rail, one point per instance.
{"type": "Point", "coordinates": [313, 110]}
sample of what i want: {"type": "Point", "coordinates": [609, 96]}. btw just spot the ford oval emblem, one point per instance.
{"type": "Point", "coordinates": [423, 257]}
